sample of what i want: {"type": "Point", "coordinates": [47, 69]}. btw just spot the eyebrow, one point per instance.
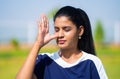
{"type": "Point", "coordinates": [62, 27]}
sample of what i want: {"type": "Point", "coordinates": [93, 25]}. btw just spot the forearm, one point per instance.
{"type": "Point", "coordinates": [26, 71]}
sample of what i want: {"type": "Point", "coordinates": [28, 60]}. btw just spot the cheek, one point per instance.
{"type": "Point", "coordinates": [72, 40]}
{"type": "Point", "coordinates": [72, 36]}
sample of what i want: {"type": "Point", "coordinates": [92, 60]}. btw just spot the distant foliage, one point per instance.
{"type": "Point", "coordinates": [14, 43]}
{"type": "Point", "coordinates": [52, 12]}
{"type": "Point", "coordinates": [99, 32]}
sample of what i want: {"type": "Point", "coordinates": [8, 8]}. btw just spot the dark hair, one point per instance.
{"type": "Point", "coordinates": [79, 17]}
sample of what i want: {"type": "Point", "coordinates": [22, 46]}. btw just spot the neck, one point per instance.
{"type": "Point", "coordinates": [70, 56]}
{"type": "Point", "coordinates": [69, 53]}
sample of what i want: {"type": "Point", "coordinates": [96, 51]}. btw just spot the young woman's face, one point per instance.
{"type": "Point", "coordinates": [67, 33]}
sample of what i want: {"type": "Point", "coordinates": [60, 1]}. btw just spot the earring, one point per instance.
{"type": "Point", "coordinates": [79, 37]}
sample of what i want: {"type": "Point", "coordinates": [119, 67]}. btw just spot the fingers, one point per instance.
{"type": "Point", "coordinates": [39, 26]}
{"type": "Point", "coordinates": [47, 24]}
{"type": "Point", "coordinates": [54, 36]}
{"type": "Point", "coordinates": [43, 24]}
{"type": "Point", "coordinates": [44, 29]}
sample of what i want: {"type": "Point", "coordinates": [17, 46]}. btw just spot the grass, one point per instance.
{"type": "Point", "coordinates": [111, 60]}
{"type": "Point", "coordinates": [12, 59]}
{"type": "Point", "coordinates": [10, 62]}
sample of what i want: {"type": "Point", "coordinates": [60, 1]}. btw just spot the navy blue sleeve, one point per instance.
{"type": "Point", "coordinates": [94, 72]}
{"type": "Point", "coordinates": [39, 67]}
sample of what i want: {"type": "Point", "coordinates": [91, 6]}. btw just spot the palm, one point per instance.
{"type": "Point", "coordinates": [47, 38]}
{"type": "Point", "coordinates": [43, 36]}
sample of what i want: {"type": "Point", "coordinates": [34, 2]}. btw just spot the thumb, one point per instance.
{"type": "Point", "coordinates": [54, 36]}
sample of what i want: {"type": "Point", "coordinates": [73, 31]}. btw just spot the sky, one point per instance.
{"type": "Point", "coordinates": [17, 15]}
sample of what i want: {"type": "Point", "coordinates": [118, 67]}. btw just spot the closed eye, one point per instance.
{"type": "Point", "coordinates": [56, 29]}
{"type": "Point", "coordinates": [67, 29]}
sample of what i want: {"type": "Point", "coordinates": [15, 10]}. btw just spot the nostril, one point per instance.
{"type": "Point", "coordinates": [61, 36]}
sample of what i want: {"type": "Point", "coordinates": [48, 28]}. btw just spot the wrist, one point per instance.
{"type": "Point", "coordinates": [37, 44]}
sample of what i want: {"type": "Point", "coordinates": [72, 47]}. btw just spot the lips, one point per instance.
{"type": "Point", "coordinates": [61, 41]}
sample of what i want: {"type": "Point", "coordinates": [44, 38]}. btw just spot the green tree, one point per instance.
{"type": "Point", "coordinates": [52, 12]}
{"type": "Point", "coordinates": [14, 42]}
{"type": "Point", "coordinates": [99, 33]}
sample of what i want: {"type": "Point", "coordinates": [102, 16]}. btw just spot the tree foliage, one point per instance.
{"type": "Point", "coordinates": [99, 32]}
{"type": "Point", "coordinates": [14, 42]}
{"type": "Point", "coordinates": [52, 12]}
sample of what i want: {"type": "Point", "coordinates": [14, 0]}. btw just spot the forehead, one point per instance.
{"type": "Point", "coordinates": [62, 20]}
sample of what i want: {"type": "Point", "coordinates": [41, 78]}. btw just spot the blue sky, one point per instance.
{"type": "Point", "coordinates": [16, 14]}
{"type": "Point", "coordinates": [30, 9]}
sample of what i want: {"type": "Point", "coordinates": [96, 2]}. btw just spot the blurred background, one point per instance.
{"type": "Point", "coordinates": [18, 31]}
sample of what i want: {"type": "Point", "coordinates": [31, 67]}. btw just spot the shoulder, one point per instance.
{"type": "Point", "coordinates": [98, 64]}
{"type": "Point", "coordinates": [41, 57]}
{"type": "Point", "coordinates": [47, 55]}
{"type": "Point", "coordinates": [96, 60]}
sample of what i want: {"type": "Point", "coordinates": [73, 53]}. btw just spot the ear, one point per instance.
{"type": "Point", "coordinates": [81, 30]}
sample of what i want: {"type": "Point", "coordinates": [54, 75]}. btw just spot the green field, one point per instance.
{"type": "Point", "coordinates": [11, 61]}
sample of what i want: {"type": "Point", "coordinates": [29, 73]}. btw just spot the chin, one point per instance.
{"type": "Point", "coordinates": [63, 46]}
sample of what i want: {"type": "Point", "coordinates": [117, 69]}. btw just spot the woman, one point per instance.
{"type": "Point", "coordinates": [76, 58]}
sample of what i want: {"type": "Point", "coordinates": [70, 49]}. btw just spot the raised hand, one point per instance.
{"type": "Point", "coordinates": [43, 31]}
{"type": "Point", "coordinates": [26, 71]}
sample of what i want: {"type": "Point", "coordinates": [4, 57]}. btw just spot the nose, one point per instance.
{"type": "Point", "coordinates": [61, 34]}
